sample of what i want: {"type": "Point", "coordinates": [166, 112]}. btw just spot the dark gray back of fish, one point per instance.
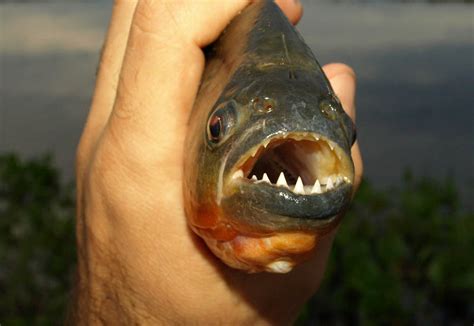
{"type": "Point", "coordinates": [273, 43]}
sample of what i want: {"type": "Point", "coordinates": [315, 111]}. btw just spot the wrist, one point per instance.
{"type": "Point", "coordinates": [102, 299]}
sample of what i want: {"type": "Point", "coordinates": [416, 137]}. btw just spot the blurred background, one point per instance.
{"type": "Point", "coordinates": [403, 255]}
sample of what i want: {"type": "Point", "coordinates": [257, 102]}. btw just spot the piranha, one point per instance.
{"type": "Point", "coordinates": [268, 169]}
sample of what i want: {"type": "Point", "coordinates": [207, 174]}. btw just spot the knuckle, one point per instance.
{"type": "Point", "coordinates": [337, 69]}
{"type": "Point", "coordinates": [347, 69]}
{"type": "Point", "coordinates": [104, 168]}
{"type": "Point", "coordinates": [123, 109]}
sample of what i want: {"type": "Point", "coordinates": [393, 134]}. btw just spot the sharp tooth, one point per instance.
{"type": "Point", "coordinates": [254, 178]}
{"type": "Point", "coordinates": [316, 188]}
{"type": "Point", "coordinates": [256, 150]}
{"type": "Point", "coordinates": [299, 187]}
{"type": "Point", "coordinates": [265, 178]}
{"type": "Point", "coordinates": [281, 267]}
{"type": "Point", "coordinates": [238, 174]}
{"type": "Point", "coordinates": [282, 180]}
{"type": "Point", "coordinates": [331, 147]}
{"type": "Point", "coordinates": [329, 184]}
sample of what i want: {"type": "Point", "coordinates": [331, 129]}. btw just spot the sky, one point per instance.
{"type": "Point", "coordinates": [415, 68]}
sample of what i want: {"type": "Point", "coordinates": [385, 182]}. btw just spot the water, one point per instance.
{"type": "Point", "coordinates": [415, 66]}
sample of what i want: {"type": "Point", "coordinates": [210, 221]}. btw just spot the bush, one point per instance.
{"type": "Point", "coordinates": [401, 257]}
{"type": "Point", "coordinates": [37, 243]}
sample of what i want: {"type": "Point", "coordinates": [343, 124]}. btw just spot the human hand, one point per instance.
{"type": "Point", "coordinates": [137, 260]}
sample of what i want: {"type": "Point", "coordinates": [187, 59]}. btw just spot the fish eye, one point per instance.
{"type": "Point", "coordinates": [215, 127]}
{"type": "Point", "coordinates": [220, 123]}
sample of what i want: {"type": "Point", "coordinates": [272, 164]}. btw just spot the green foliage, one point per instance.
{"type": "Point", "coordinates": [402, 256]}
{"type": "Point", "coordinates": [37, 252]}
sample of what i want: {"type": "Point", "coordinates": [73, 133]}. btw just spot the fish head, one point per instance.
{"type": "Point", "coordinates": [286, 148]}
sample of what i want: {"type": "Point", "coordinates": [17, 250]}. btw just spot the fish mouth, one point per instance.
{"type": "Point", "coordinates": [305, 163]}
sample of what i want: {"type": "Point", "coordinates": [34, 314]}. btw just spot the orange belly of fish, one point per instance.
{"type": "Point", "coordinates": [276, 253]}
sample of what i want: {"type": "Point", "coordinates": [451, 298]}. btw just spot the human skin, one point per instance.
{"type": "Point", "coordinates": [138, 262]}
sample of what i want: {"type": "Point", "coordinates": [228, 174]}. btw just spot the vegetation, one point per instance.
{"type": "Point", "coordinates": [37, 251]}
{"type": "Point", "coordinates": [402, 256]}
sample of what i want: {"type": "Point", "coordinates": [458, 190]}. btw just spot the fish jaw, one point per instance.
{"type": "Point", "coordinates": [291, 181]}
{"type": "Point", "coordinates": [267, 224]}
{"type": "Point", "coordinates": [277, 218]}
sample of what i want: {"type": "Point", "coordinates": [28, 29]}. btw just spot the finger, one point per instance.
{"type": "Point", "coordinates": [292, 9]}
{"type": "Point", "coordinates": [107, 77]}
{"type": "Point", "coordinates": [343, 81]}
{"type": "Point", "coordinates": [162, 69]}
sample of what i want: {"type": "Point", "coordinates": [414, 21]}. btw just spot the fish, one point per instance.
{"type": "Point", "coordinates": [268, 170]}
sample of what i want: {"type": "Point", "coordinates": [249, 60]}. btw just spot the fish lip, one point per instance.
{"type": "Point", "coordinates": [267, 209]}
{"type": "Point", "coordinates": [320, 208]}
{"type": "Point", "coordinates": [234, 181]}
